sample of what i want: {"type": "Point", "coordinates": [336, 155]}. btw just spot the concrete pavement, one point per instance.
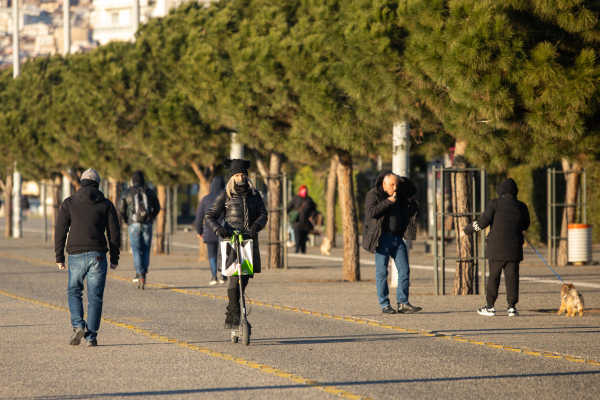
{"type": "Point", "coordinates": [364, 354]}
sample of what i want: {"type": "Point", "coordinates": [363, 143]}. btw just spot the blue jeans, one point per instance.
{"type": "Point", "coordinates": [213, 252]}
{"type": "Point", "coordinates": [92, 264]}
{"type": "Point", "coordinates": [140, 238]}
{"type": "Point", "coordinates": [391, 246]}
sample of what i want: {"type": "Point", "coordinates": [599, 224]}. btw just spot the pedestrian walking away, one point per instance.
{"type": "Point", "coordinates": [508, 219]}
{"type": "Point", "coordinates": [244, 210]}
{"type": "Point", "coordinates": [138, 208]}
{"type": "Point", "coordinates": [390, 209]}
{"type": "Point", "coordinates": [210, 239]}
{"type": "Point", "coordinates": [86, 217]}
{"type": "Point", "coordinates": [301, 209]}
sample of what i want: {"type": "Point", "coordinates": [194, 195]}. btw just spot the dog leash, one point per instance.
{"type": "Point", "coordinates": [559, 278]}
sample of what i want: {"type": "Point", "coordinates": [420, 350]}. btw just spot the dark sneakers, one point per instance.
{"type": "Point", "coordinates": [388, 310]}
{"type": "Point", "coordinates": [407, 308]}
{"type": "Point", "coordinates": [91, 343]}
{"type": "Point", "coordinates": [78, 334]}
{"type": "Point", "coordinates": [228, 321]}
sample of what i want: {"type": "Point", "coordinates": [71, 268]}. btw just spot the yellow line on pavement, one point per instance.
{"type": "Point", "coordinates": [241, 361]}
{"type": "Point", "coordinates": [425, 333]}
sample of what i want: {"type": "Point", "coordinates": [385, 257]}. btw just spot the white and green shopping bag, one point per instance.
{"type": "Point", "coordinates": [230, 259]}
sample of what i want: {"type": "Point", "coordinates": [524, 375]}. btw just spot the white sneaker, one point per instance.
{"type": "Point", "coordinates": [213, 281]}
{"type": "Point", "coordinates": [512, 312]}
{"type": "Point", "coordinates": [488, 312]}
{"type": "Point", "coordinates": [290, 244]}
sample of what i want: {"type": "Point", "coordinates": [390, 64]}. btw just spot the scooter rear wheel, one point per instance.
{"type": "Point", "coordinates": [245, 334]}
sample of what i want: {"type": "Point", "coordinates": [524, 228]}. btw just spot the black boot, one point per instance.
{"type": "Point", "coordinates": [232, 308]}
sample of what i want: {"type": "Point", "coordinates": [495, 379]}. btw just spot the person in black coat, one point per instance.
{"type": "Point", "coordinates": [305, 207]}
{"type": "Point", "coordinates": [210, 239]}
{"type": "Point", "coordinates": [389, 210]}
{"type": "Point", "coordinates": [508, 218]}
{"type": "Point", "coordinates": [245, 211]}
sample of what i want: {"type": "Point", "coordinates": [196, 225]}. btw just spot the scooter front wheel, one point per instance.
{"type": "Point", "coordinates": [245, 334]}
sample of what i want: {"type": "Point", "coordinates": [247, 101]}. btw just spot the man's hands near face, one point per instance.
{"type": "Point", "coordinates": [392, 199]}
{"type": "Point", "coordinates": [61, 265]}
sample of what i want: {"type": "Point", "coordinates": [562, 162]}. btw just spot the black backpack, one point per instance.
{"type": "Point", "coordinates": [142, 213]}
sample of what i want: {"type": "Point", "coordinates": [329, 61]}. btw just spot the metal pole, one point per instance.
{"type": "Point", "coordinates": [554, 246]}
{"type": "Point", "coordinates": [549, 214]}
{"type": "Point", "coordinates": [285, 220]}
{"type": "Point", "coordinates": [483, 199]}
{"type": "Point", "coordinates": [66, 27]}
{"type": "Point", "coordinates": [584, 205]}
{"type": "Point", "coordinates": [168, 217]}
{"type": "Point", "coordinates": [443, 228]}
{"type": "Point", "coordinates": [44, 211]}
{"type": "Point", "coordinates": [435, 233]}
{"type": "Point", "coordinates": [16, 53]}
{"type": "Point", "coordinates": [175, 211]}
{"type": "Point", "coordinates": [476, 252]}
{"type": "Point", "coordinates": [17, 211]}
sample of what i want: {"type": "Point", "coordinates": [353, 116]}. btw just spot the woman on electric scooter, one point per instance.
{"type": "Point", "coordinates": [244, 211]}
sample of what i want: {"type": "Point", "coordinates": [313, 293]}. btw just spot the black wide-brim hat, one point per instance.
{"type": "Point", "coordinates": [236, 166]}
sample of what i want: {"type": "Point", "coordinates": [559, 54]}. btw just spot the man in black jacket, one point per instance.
{"type": "Point", "coordinates": [138, 207]}
{"type": "Point", "coordinates": [508, 218]}
{"type": "Point", "coordinates": [388, 212]}
{"type": "Point", "coordinates": [89, 215]}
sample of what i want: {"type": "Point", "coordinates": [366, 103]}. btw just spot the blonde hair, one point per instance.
{"type": "Point", "coordinates": [230, 188]}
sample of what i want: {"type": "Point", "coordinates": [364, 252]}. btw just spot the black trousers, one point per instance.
{"type": "Point", "coordinates": [511, 279]}
{"type": "Point", "coordinates": [234, 282]}
{"type": "Point", "coordinates": [301, 238]}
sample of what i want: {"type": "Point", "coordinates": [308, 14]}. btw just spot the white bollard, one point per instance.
{"type": "Point", "coordinates": [579, 244]}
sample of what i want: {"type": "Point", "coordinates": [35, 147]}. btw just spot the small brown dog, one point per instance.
{"type": "Point", "coordinates": [326, 247]}
{"type": "Point", "coordinates": [571, 301]}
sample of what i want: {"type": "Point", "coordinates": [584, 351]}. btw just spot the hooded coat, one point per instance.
{"type": "Point", "coordinates": [85, 217]}
{"type": "Point", "coordinates": [376, 204]}
{"type": "Point", "coordinates": [507, 218]}
{"type": "Point", "coordinates": [208, 236]}
{"type": "Point", "coordinates": [306, 208]}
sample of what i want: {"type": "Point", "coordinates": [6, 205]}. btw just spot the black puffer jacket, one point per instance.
{"type": "Point", "coordinates": [508, 218]}
{"type": "Point", "coordinates": [376, 203]}
{"type": "Point", "coordinates": [241, 212]}
{"type": "Point", "coordinates": [127, 203]}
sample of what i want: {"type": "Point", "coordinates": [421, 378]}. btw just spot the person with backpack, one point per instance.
{"type": "Point", "coordinates": [210, 239]}
{"type": "Point", "coordinates": [508, 219]}
{"type": "Point", "coordinates": [244, 210]}
{"type": "Point", "coordinates": [390, 210]}
{"type": "Point", "coordinates": [138, 208]}
{"type": "Point", "coordinates": [300, 210]}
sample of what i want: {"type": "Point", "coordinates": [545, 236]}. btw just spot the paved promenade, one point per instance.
{"type": "Point", "coordinates": [314, 337]}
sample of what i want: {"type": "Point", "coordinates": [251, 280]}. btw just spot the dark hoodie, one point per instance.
{"type": "Point", "coordinates": [216, 186]}
{"type": "Point", "coordinates": [89, 215]}
{"type": "Point", "coordinates": [507, 218]}
{"type": "Point", "coordinates": [376, 207]}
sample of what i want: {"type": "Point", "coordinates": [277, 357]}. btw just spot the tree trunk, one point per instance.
{"type": "Point", "coordinates": [275, 215]}
{"type": "Point", "coordinates": [74, 182]}
{"type": "Point", "coordinates": [205, 179]}
{"type": "Point", "coordinates": [573, 180]}
{"type": "Point", "coordinates": [56, 200]}
{"type": "Point", "coordinates": [351, 263]}
{"type": "Point", "coordinates": [331, 185]}
{"type": "Point", "coordinates": [161, 219]}
{"type": "Point", "coordinates": [464, 278]}
{"type": "Point", "coordinates": [8, 188]}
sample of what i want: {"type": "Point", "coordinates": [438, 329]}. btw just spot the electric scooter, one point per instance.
{"type": "Point", "coordinates": [245, 329]}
